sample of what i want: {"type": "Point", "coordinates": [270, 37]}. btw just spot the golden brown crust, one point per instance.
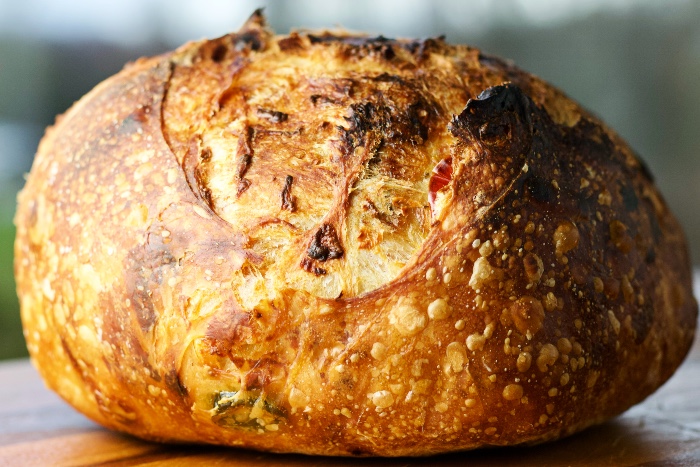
{"type": "Point", "coordinates": [335, 244]}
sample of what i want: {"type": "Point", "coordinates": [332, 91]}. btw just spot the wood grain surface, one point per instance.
{"type": "Point", "coordinates": [38, 428]}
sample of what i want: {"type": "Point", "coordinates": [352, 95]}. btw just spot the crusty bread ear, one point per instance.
{"type": "Point", "coordinates": [337, 244]}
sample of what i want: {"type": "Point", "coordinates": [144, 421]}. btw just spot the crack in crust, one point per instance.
{"type": "Point", "coordinates": [325, 244]}
{"type": "Point", "coordinates": [288, 201]}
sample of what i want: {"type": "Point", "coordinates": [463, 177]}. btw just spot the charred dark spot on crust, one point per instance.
{"type": "Point", "coordinates": [388, 52]}
{"type": "Point", "coordinates": [291, 43]}
{"type": "Point", "coordinates": [531, 265]}
{"type": "Point", "coordinates": [325, 244]}
{"type": "Point", "coordinates": [421, 48]}
{"type": "Point", "coordinates": [253, 40]}
{"type": "Point", "coordinates": [388, 78]}
{"type": "Point", "coordinates": [416, 114]}
{"type": "Point", "coordinates": [499, 119]}
{"type": "Point", "coordinates": [253, 35]}
{"type": "Point", "coordinates": [359, 45]}
{"type": "Point", "coordinates": [309, 265]}
{"type": "Point", "coordinates": [368, 205]}
{"type": "Point", "coordinates": [389, 118]}
{"type": "Point", "coordinates": [374, 124]}
{"type": "Point", "coordinates": [357, 41]}
{"type": "Point", "coordinates": [245, 150]}
{"type": "Point", "coordinates": [330, 91]}
{"type": "Point", "coordinates": [363, 117]}
{"type": "Point", "coordinates": [205, 154]}
{"type": "Point", "coordinates": [510, 137]}
{"type": "Point", "coordinates": [288, 201]}
{"type": "Point", "coordinates": [219, 53]}
{"type": "Point", "coordinates": [273, 116]}
{"type": "Point", "coordinates": [317, 99]}
{"type": "Point", "coordinates": [286, 133]}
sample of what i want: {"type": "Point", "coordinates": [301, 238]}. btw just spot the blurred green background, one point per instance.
{"type": "Point", "coordinates": [635, 63]}
{"type": "Point", "coordinates": [11, 340]}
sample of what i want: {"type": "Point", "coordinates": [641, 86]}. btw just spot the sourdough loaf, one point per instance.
{"type": "Point", "coordinates": [331, 243]}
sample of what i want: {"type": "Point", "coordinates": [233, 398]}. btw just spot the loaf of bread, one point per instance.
{"type": "Point", "coordinates": [336, 244]}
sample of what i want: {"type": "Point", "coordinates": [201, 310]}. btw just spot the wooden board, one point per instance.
{"type": "Point", "coordinates": [38, 428]}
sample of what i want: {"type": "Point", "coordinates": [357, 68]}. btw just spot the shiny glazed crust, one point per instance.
{"type": "Point", "coordinates": [335, 244]}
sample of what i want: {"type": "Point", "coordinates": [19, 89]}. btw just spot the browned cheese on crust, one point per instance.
{"type": "Point", "coordinates": [337, 244]}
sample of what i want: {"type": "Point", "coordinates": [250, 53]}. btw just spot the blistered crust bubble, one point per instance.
{"type": "Point", "coordinates": [337, 244]}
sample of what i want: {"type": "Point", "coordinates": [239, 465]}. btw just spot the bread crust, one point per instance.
{"type": "Point", "coordinates": [335, 244]}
